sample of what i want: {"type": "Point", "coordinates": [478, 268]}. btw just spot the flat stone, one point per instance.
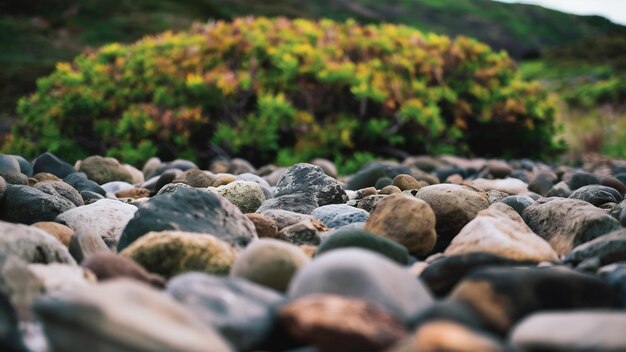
{"type": "Point", "coordinates": [244, 313]}
{"type": "Point", "coordinates": [97, 318]}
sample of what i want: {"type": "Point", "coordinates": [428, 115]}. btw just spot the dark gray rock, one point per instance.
{"type": "Point", "coordinates": [606, 249]}
{"type": "Point", "coordinates": [241, 311]}
{"type": "Point", "coordinates": [567, 223]}
{"type": "Point", "coordinates": [80, 182]}
{"type": "Point", "coordinates": [364, 274]}
{"type": "Point", "coordinates": [518, 203]}
{"type": "Point", "coordinates": [597, 194]}
{"type": "Point", "coordinates": [337, 215]}
{"type": "Point", "coordinates": [48, 162]}
{"type": "Point", "coordinates": [311, 179]}
{"type": "Point", "coordinates": [303, 203]}
{"type": "Point", "coordinates": [60, 189]}
{"type": "Point", "coordinates": [444, 273]}
{"type": "Point", "coordinates": [522, 291]}
{"type": "Point", "coordinates": [10, 337]}
{"type": "Point", "coordinates": [32, 245]}
{"type": "Point", "coordinates": [10, 170]}
{"type": "Point", "coordinates": [561, 189]}
{"type": "Point", "coordinates": [90, 197]}
{"type": "Point", "coordinates": [3, 187]}
{"type": "Point", "coordinates": [25, 166]}
{"type": "Point", "coordinates": [614, 183]}
{"type": "Point", "coordinates": [580, 179]}
{"type": "Point", "coordinates": [191, 210]}
{"type": "Point", "coordinates": [368, 175]}
{"type": "Point", "coordinates": [542, 182]}
{"type": "Point", "coordinates": [172, 187]}
{"type": "Point", "coordinates": [27, 205]}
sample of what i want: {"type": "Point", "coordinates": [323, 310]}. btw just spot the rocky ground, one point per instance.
{"type": "Point", "coordinates": [431, 254]}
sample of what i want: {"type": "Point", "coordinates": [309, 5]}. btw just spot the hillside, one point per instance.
{"type": "Point", "coordinates": [34, 35]}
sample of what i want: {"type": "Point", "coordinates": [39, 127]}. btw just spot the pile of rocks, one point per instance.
{"type": "Point", "coordinates": [432, 254]}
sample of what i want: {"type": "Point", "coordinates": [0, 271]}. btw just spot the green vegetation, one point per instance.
{"type": "Point", "coordinates": [287, 90]}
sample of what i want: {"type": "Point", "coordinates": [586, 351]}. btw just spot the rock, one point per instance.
{"type": "Point", "coordinates": [224, 179]}
{"type": "Point", "coordinates": [304, 232]}
{"type": "Point", "coordinates": [365, 192]}
{"type": "Point", "coordinates": [3, 187]}
{"type": "Point", "coordinates": [571, 331]}
{"type": "Point", "coordinates": [369, 203]}
{"type": "Point", "coordinates": [253, 178]}
{"type": "Point", "coordinates": [59, 277]}
{"type": "Point", "coordinates": [195, 178]}
{"type": "Point", "coordinates": [60, 232]}
{"type": "Point", "coordinates": [561, 189]}
{"type": "Point", "coordinates": [172, 188]}
{"type": "Point", "coordinates": [105, 217]}
{"type": "Point", "coordinates": [510, 186]}
{"type": "Point", "coordinates": [597, 195]}
{"type": "Point", "coordinates": [85, 243]}
{"type": "Point", "coordinates": [580, 179]}
{"type": "Point", "coordinates": [405, 182]}
{"type": "Point", "coordinates": [518, 203]}
{"type": "Point", "coordinates": [542, 182]}
{"type": "Point", "coordinates": [606, 249]}
{"type": "Point", "coordinates": [425, 163]}
{"type": "Point", "coordinates": [178, 164]}
{"type": "Point", "coordinates": [117, 186]}
{"type": "Point", "coordinates": [45, 176]}
{"type": "Point", "coordinates": [615, 276]}
{"type": "Point", "coordinates": [303, 203]}
{"type": "Point", "coordinates": [454, 206]}
{"type": "Point", "coordinates": [383, 182]}
{"type": "Point", "coordinates": [60, 189]}
{"type": "Point", "coordinates": [10, 170]}
{"type": "Point", "coordinates": [149, 169]}
{"type": "Point", "coordinates": [614, 183]}
{"type": "Point", "coordinates": [363, 274]}
{"type": "Point", "coordinates": [166, 178]}
{"type": "Point", "coordinates": [191, 210]}
{"type": "Point", "coordinates": [240, 166]}
{"type": "Point", "coordinates": [566, 223]}
{"type": "Point", "coordinates": [390, 190]}
{"type": "Point", "coordinates": [32, 245]}
{"type": "Point", "coordinates": [337, 215]}
{"type": "Point", "coordinates": [328, 166]}
{"type": "Point", "coordinates": [90, 197]}
{"type": "Point", "coordinates": [275, 175]}
{"type": "Point", "coordinates": [102, 170]}
{"type": "Point", "coordinates": [447, 336]}
{"type": "Point", "coordinates": [622, 217]}
{"type": "Point", "coordinates": [169, 253]}
{"type": "Point", "coordinates": [307, 178]}
{"type": "Point", "coordinates": [443, 274]}
{"type": "Point", "coordinates": [242, 312]}
{"type": "Point", "coordinates": [97, 318]}
{"type": "Point", "coordinates": [494, 196]}
{"type": "Point", "coordinates": [81, 183]}
{"type": "Point", "coordinates": [265, 226]}
{"type": "Point", "coordinates": [345, 238]}
{"type": "Point", "coordinates": [247, 196]}
{"type": "Point", "coordinates": [500, 230]}
{"type": "Point", "coordinates": [284, 218]}
{"type": "Point", "coordinates": [503, 296]}
{"type": "Point", "coordinates": [336, 323]}
{"type": "Point", "coordinates": [270, 263]}
{"type": "Point", "coordinates": [368, 175]}
{"type": "Point", "coordinates": [25, 167]}
{"type": "Point", "coordinates": [27, 205]}
{"type": "Point", "coordinates": [10, 337]}
{"type": "Point", "coordinates": [50, 163]}
{"type": "Point", "coordinates": [499, 168]}
{"type": "Point", "coordinates": [134, 193]}
{"type": "Point", "coordinates": [108, 266]}
{"type": "Point", "coordinates": [406, 220]}
{"type": "Point", "coordinates": [136, 174]}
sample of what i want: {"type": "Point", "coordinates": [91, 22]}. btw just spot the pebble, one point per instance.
{"type": "Point", "coordinates": [310, 179]}
{"type": "Point", "coordinates": [597, 195]}
{"type": "Point", "coordinates": [102, 170]}
{"type": "Point", "coordinates": [247, 196]}
{"type": "Point", "coordinates": [50, 163]}
{"type": "Point", "coordinates": [86, 243]}
{"type": "Point", "coordinates": [348, 237]}
{"type": "Point", "coordinates": [265, 226]}
{"type": "Point", "coordinates": [406, 220]}
{"type": "Point", "coordinates": [28, 205]}
{"type": "Point", "coordinates": [169, 253]}
{"type": "Point", "coordinates": [606, 249]}
{"type": "Point", "coordinates": [195, 178]}
{"type": "Point", "coordinates": [338, 215]}
{"type": "Point", "coordinates": [304, 232]}
{"type": "Point", "coordinates": [32, 245]}
{"type": "Point", "coordinates": [511, 186]}
{"type": "Point", "coordinates": [270, 263]}
{"type": "Point", "coordinates": [109, 266]}
{"type": "Point", "coordinates": [59, 231]}
{"type": "Point", "coordinates": [448, 336]}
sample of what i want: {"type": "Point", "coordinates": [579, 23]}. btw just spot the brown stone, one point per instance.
{"type": "Point", "coordinates": [391, 189]}
{"type": "Point", "coordinates": [195, 178]}
{"type": "Point", "coordinates": [133, 193]}
{"type": "Point", "coordinates": [406, 182]}
{"type": "Point", "coordinates": [108, 266]}
{"type": "Point", "coordinates": [335, 323]}
{"type": "Point", "coordinates": [440, 336]}
{"type": "Point", "coordinates": [406, 220]}
{"type": "Point", "coordinates": [59, 231]}
{"type": "Point", "coordinates": [224, 180]}
{"type": "Point", "coordinates": [265, 226]}
{"type": "Point", "coordinates": [45, 176]}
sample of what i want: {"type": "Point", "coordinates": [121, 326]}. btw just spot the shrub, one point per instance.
{"type": "Point", "coordinates": [293, 90]}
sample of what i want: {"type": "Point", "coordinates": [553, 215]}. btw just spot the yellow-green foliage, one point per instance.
{"type": "Point", "coordinates": [275, 88]}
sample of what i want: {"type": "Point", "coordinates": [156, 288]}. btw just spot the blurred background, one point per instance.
{"type": "Point", "coordinates": [581, 59]}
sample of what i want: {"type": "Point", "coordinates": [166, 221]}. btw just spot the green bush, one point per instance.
{"type": "Point", "coordinates": [275, 89]}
